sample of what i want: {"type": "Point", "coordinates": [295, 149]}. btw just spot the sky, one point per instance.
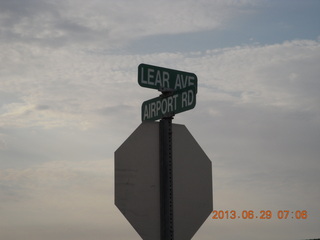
{"type": "Point", "coordinates": [69, 97]}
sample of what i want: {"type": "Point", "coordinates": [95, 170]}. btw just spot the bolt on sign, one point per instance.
{"type": "Point", "coordinates": [164, 78]}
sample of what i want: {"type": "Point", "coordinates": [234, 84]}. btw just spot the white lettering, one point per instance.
{"type": "Point", "coordinates": [150, 76]}
{"type": "Point", "coordinates": [164, 106]}
{"type": "Point", "coordinates": [191, 81]}
{"type": "Point", "coordinates": [158, 107]}
{"type": "Point", "coordinates": [170, 106]}
{"type": "Point", "coordinates": [142, 80]}
{"type": "Point", "coordinates": [190, 97]}
{"type": "Point", "coordinates": [146, 112]}
{"type": "Point", "coordinates": [178, 83]}
{"type": "Point", "coordinates": [184, 81]}
{"type": "Point", "coordinates": [158, 79]}
{"type": "Point", "coordinates": [175, 101]}
{"type": "Point", "coordinates": [184, 101]}
{"type": "Point", "coordinates": [152, 109]}
{"type": "Point", "coordinates": [165, 80]}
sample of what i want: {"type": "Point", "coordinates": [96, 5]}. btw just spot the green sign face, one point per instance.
{"type": "Point", "coordinates": [160, 107]}
{"type": "Point", "coordinates": [164, 78]}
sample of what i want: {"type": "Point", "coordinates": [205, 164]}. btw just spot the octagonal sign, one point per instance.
{"type": "Point", "coordinates": [137, 182]}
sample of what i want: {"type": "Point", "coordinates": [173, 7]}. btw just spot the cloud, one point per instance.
{"type": "Point", "coordinates": [70, 87]}
{"type": "Point", "coordinates": [57, 198]}
{"type": "Point", "coordinates": [3, 142]}
{"type": "Point", "coordinates": [109, 24]}
{"type": "Point", "coordinates": [53, 184]}
{"type": "Point", "coordinates": [273, 75]}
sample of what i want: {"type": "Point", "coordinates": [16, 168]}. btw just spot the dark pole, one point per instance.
{"type": "Point", "coordinates": [166, 187]}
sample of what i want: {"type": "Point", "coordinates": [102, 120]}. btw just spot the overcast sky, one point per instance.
{"type": "Point", "coordinates": [69, 97]}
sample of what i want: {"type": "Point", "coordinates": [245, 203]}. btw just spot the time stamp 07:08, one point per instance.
{"type": "Point", "coordinates": [262, 214]}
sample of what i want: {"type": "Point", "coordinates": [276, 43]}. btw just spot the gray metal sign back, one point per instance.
{"type": "Point", "coordinates": [137, 182]}
{"type": "Point", "coordinates": [192, 184]}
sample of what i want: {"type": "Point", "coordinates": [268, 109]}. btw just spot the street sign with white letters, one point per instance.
{"type": "Point", "coordinates": [160, 107]}
{"type": "Point", "coordinates": [164, 78]}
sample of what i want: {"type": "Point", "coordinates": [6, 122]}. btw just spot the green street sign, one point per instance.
{"type": "Point", "coordinates": [159, 107]}
{"type": "Point", "coordinates": [164, 78]}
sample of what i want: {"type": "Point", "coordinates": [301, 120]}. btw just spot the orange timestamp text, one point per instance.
{"type": "Point", "coordinates": [262, 214]}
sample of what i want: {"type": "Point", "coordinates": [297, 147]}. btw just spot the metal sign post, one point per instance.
{"type": "Point", "coordinates": [166, 183]}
